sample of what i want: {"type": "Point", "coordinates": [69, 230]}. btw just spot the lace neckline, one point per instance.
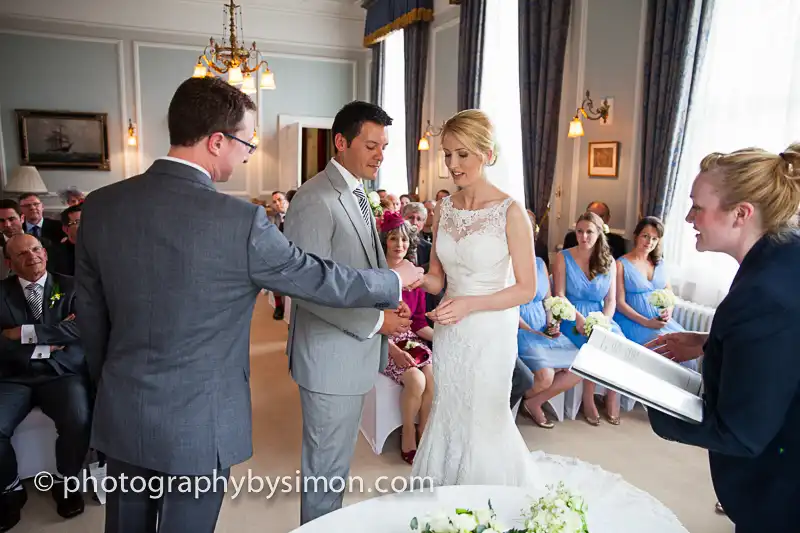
{"type": "Point", "coordinates": [449, 203]}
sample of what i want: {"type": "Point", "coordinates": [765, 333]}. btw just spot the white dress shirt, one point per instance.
{"type": "Point", "coordinates": [27, 331]}
{"type": "Point", "coordinates": [185, 162]}
{"type": "Point", "coordinates": [353, 183]}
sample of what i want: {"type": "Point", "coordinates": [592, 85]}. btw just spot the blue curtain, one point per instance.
{"type": "Point", "coordinates": [386, 16]}
{"type": "Point", "coordinates": [677, 35]}
{"type": "Point", "coordinates": [543, 30]}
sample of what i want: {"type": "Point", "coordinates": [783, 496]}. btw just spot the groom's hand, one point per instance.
{"type": "Point", "coordinates": [409, 274]}
{"type": "Point", "coordinates": [403, 310]}
{"type": "Point", "coordinates": [394, 324]}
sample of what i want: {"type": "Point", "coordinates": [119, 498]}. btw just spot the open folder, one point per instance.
{"type": "Point", "coordinates": [616, 363]}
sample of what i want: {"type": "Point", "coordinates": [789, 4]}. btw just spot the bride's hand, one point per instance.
{"type": "Point", "coordinates": [452, 311]}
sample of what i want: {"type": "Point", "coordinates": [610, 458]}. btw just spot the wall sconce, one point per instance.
{"type": "Point", "coordinates": [131, 134]}
{"type": "Point", "coordinates": [587, 110]}
{"type": "Point", "coordinates": [430, 131]}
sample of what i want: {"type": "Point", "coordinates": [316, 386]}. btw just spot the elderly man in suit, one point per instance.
{"type": "Point", "coordinates": [41, 365]}
{"type": "Point", "coordinates": [336, 355]}
{"type": "Point", "coordinates": [166, 317]}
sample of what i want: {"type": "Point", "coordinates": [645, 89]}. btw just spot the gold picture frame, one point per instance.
{"type": "Point", "coordinates": [63, 139]}
{"type": "Point", "coordinates": [604, 159]}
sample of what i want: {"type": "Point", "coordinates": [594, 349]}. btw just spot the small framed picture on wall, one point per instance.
{"type": "Point", "coordinates": [604, 159]}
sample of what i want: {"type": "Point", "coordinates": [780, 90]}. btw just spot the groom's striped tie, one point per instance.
{"type": "Point", "coordinates": [363, 204]}
{"type": "Point", "coordinates": [33, 293]}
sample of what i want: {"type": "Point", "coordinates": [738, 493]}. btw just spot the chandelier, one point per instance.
{"type": "Point", "coordinates": [229, 58]}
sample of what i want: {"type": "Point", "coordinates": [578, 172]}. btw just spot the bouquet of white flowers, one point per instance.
{"type": "Point", "coordinates": [596, 319]}
{"type": "Point", "coordinates": [561, 511]}
{"type": "Point", "coordinates": [560, 308]}
{"type": "Point", "coordinates": [662, 299]}
{"type": "Point", "coordinates": [463, 521]}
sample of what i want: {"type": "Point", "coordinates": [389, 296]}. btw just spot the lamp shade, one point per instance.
{"type": "Point", "coordinates": [26, 179]}
{"type": "Point", "coordinates": [424, 145]}
{"type": "Point", "coordinates": [575, 128]}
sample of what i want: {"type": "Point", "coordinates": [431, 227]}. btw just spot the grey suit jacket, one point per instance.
{"type": "Point", "coordinates": [328, 349]}
{"type": "Point", "coordinates": [168, 270]}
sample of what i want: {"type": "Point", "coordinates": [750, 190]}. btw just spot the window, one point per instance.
{"type": "Point", "coordinates": [500, 95]}
{"type": "Point", "coordinates": [394, 177]}
{"type": "Point", "coordinates": [748, 95]}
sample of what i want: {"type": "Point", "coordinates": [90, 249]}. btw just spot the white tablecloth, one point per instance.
{"type": "Point", "coordinates": [615, 506]}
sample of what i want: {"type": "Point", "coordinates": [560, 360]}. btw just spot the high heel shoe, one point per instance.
{"type": "Point", "coordinates": [592, 420]}
{"type": "Point", "coordinates": [545, 425]}
{"type": "Point", "coordinates": [613, 420]}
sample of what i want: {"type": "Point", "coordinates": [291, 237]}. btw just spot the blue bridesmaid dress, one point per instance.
{"type": "Point", "coordinates": [536, 351]}
{"type": "Point", "coordinates": [587, 297]}
{"type": "Point", "coordinates": [637, 294]}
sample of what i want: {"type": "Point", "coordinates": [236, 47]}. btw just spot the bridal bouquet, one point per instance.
{"type": "Point", "coordinates": [560, 308]}
{"type": "Point", "coordinates": [560, 511]}
{"type": "Point", "coordinates": [462, 521]}
{"type": "Point", "coordinates": [596, 319]}
{"type": "Point", "coordinates": [662, 299]}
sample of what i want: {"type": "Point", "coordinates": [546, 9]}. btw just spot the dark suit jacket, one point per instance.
{"type": "Point", "coordinates": [751, 374]}
{"type": "Point", "coordinates": [15, 358]}
{"type": "Point", "coordinates": [61, 258]}
{"type": "Point", "coordinates": [424, 254]}
{"type": "Point", "coordinates": [616, 243]}
{"type": "Point", "coordinates": [52, 232]}
{"type": "Point", "coordinates": [165, 316]}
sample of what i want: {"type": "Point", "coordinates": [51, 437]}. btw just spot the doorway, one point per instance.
{"type": "Point", "coordinates": [316, 150]}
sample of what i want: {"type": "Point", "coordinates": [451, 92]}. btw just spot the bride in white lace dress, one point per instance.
{"type": "Point", "coordinates": [479, 233]}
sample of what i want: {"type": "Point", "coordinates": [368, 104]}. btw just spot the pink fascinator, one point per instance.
{"type": "Point", "coordinates": [391, 220]}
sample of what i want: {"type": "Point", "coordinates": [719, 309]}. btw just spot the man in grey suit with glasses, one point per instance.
{"type": "Point", "coordinates": [165, 316]}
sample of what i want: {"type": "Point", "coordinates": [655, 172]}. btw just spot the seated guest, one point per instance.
{"type": "Point", "coordinates": [543, 350]}
{"type": "Point", "coordinates": [427, 230]}
{"type": "Point", "coordinates": [416, 215]}
{"type": "Point", "coordinates": [381, 193]}
{"type": "Point", "coordinates": [71, 196]}
{"type": "Point", "coordinates": [48, 231]}
{"type": "Point", "coordinates": [63, 253]}
{"type": "Point", "coordinates": [640, 273]}
{"type": "Point", "coordinates": [11, 219]}
{"type": "Point", "coordinates": [409, 356]}
{"type": "Point", "coordinates": [442, 194]}
{"type": "Point", "coordinates": [394, 203]}
{"type": "Point", "coordinates": [41, 365]}
{"type": "Point", "coordinates": [404, 200]}
{"type": "Point", "coordinates": [615, 242]}
{"type": "Point", "coordinates": [586, 276]}
{"type": "Point", "coordinates": [279, 207]}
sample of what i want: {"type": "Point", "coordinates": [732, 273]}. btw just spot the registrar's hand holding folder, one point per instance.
{"type": "Point", "coordinates": [616, 363]}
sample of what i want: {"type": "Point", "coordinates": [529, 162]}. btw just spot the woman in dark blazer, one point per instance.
{"type": "Point", "coordinates": [745, 204]}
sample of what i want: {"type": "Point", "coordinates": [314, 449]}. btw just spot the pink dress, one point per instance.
{"type": "Point", "coordinates": [415, 300]}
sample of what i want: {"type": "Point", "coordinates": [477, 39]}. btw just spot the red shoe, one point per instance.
{"type": "Point", "coordinates": [408, 456]}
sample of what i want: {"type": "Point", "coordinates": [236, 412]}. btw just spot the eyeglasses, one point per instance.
{"type": "Point", "coordinates": [251, 147]}
{"type": "Point", "coordinates": [32, 204]}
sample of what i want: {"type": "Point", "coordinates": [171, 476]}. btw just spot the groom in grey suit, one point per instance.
{"type": "Point", "coordinates": [168, 270]}
{"type": "Point", "coordinates": [335, 354]}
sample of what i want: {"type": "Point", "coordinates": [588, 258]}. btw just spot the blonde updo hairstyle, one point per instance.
{"type": "Point", "coordinates": [474, 130]}
{"type": "Point", "coordinates": [771, 182]}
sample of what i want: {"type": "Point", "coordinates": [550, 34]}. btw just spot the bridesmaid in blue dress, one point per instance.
{"type": "Point", "coordinates": [543, 349]}
{"type": "Point", "coordinates": [586, 276]}
{"type": "Point", "coordinates": [639, 274]}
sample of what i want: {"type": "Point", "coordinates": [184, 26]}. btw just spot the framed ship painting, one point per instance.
{"type": "Point", "coordinates": [61, 139]}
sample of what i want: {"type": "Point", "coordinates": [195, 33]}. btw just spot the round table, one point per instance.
{"type": "Point", "coordinates": [615, 506]}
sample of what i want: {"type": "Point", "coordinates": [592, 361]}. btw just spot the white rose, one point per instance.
{"type": "Point", "coordinates": [464, 522]}
{"type": "Point", "coordinates": [440, 523]}
{"type": "Point", "coordinates": [572, 522]}
{"type": "Point", "coordinates": [484, 516]}
{"type": "Point", "coordinates": [374, 198]}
